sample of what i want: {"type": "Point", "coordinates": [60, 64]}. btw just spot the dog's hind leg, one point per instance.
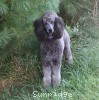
{"type": "Point", "coordinates": [67, 49]}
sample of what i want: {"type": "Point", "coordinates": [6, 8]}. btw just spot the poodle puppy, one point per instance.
{"type": "Point", "coordinates": [54, 40]}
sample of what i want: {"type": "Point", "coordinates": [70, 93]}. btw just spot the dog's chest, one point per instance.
{"type": "Point", "coordinates": [52, 49]}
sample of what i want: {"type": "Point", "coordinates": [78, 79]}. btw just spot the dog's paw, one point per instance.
{"type": "Point", "coordinates": [56, 80]}
{"type": "Point", "coordinates": [47, 82]}
{"type": "Point", "coordinates": [70, 60]}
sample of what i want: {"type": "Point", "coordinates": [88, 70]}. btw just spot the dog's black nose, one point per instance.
{"type": "Point", "coordinates": [50, 30]}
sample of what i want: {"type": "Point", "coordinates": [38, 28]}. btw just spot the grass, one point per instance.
{"type": "Point", "coordinates": [21, 78]}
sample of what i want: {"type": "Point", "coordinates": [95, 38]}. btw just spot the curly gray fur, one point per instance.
{"type": "Point", "coordinates": [54, 40]}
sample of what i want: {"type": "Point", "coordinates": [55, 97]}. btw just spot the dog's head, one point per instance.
{"type": "Point", "coordinates": [49, 27]}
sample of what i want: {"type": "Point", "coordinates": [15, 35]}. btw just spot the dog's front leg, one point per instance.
{"type": "Point", "coordinates": [47, 74]}
{"type": "Point", "coordinates": [56, 72]}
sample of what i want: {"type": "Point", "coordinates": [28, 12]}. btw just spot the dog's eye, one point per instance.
{"type": "Point", "coordinates": [45, 23]}
{"type": "Point", "coordinates": [52, 22]}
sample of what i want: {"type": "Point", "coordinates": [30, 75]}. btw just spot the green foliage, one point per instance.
{"type": "Point", "coordinates": [3, 8]}
{"type": "Point", "coordinates": [80, 12]}
{"type": "Point", "coordinates": [5, 37]}
{"type": "Point", "coordinates": [17, 16]}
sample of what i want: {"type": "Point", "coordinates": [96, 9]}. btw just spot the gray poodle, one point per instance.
{"type": "Point", "coordinates": [54, 41]}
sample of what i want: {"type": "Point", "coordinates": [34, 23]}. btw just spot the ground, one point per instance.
{"type": "Point", "coordinates": [21, 78]}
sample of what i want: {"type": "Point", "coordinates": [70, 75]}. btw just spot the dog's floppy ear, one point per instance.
{"type": "Point", "coordinates": [39, 29]}
{"type": "Point", "coordinates": [58, 27]}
